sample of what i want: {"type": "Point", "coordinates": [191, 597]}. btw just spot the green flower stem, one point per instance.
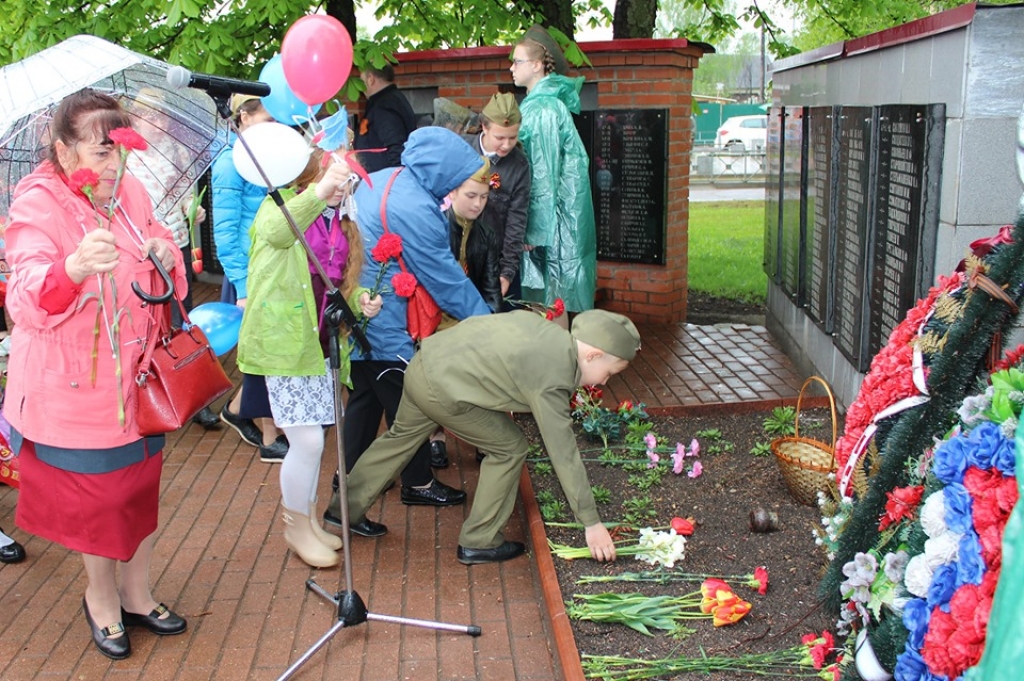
{"type": "Point", "coordinates": [660, 577]}
{"type": "Point", "coordinates": [789, 663]}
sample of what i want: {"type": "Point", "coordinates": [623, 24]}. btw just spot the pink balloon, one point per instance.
{"type": "Point", "coordinates": [316, 55]}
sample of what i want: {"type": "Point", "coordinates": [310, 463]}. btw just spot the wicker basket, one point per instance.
{"type": "Point", "coordinates": [806, 463]}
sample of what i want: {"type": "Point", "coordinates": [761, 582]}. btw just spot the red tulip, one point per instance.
{"type": "Point", "coordinates": [683, 526]}
{"type": "Point", "coordinates": [197, 266]}
{"type": "Point", "coordinates": [197, 253]}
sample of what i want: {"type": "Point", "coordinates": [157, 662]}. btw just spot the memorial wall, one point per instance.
{"type": "Point", "coordinates": [853, 240]}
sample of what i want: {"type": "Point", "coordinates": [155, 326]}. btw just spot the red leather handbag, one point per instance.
{"type": "Point", "coordinates": [178, 375]}
{"type": "Point", "coordinates": [423, 314]}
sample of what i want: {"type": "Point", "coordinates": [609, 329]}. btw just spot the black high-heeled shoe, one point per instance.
{"type": "Point", "coordinates": [115, 648]}
{"type": "Point", "coordinates": [168, 626]}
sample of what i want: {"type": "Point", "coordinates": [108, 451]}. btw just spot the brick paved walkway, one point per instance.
{"type": "Point", "coordinates": [221, 560]}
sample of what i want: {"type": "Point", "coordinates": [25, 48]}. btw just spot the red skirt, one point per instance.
{"type": "Point", "coordinates": [102, 514]}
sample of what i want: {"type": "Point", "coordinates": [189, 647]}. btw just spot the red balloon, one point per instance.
{"type": "Point", "coordinates": [316, 55]}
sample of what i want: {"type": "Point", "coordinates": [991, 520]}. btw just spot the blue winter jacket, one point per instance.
{"type": "Point", "coordinates": [435, 161]}
{"type": "Point", "coordinates": [235, 202]}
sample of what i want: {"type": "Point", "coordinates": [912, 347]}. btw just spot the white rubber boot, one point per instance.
{"type": "Point", "coordinates": [331, 541]}
{"type": "Point", "coordinates": [299, 535]}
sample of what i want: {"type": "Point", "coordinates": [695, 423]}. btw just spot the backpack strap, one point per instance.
{"type": "Point", "coordinates": [384, 209]}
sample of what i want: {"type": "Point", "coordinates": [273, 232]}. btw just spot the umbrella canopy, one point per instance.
{"type": "Point", "coordinates": [182, 127]}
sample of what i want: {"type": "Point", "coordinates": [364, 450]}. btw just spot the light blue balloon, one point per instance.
{"type": "Point", "coordinates": [282, 103]}
{"type": "Point", "coordinates": [220, 322]}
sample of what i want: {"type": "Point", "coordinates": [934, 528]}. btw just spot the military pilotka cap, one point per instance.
{"type": "Point", "coordinates": [481, 175]}
{"type": "Point", "coordinates": [502, 110]}
{"type": "Point", "coordinates": [539, 34]}
{"type": "Point", "coordinates": [607, 331]}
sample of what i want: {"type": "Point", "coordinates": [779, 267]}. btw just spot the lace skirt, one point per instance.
{"type": "Point", "coordinates": [301, 400]}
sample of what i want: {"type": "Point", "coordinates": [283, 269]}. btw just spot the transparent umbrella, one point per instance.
{"type": "Point", "coordinates": [182, 127]}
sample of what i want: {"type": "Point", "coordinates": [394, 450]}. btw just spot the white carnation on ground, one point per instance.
{"type": "Point", "coordinates": [661, 548]}
{"type": "Point", "coordinates": [933, 514]}
{"type": "Point", "coordinates": [918, 576]}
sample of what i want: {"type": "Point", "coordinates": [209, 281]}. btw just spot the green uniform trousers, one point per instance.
{"type": "Point", "coordinates": [490, 431]}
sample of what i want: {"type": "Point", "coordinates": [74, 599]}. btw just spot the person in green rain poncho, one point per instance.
{"type": "Point", "coordinates": [560, 251]}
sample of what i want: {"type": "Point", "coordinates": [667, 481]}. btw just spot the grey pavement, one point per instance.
{"type": "Point", "coordinates": [710, 192]}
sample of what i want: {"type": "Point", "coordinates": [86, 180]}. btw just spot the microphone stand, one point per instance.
{"type": "Point", "coordinates": [350, 607]}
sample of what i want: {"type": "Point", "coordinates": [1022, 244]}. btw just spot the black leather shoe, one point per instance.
{"type": "Point", "coordinates": [168, 626]}
{"type": "Point", "coordinates": [115, 648]}
{"type": "Point", "coordinates": [275, 451]}
{"type": "Point", "coordinates": [207, 419]}
{"type": "Point", "coordinates": [12, 553]}
{"type": "Point", "coordinates": [438, 454]}
{"type": "Point", "coordinates": [244, 427]}
{"type": "Point", "coordinates": [368, 528]}
{"type": "Point", "coordinates": [505, 551]}
{"type": "Point", "coordinates": [437, 494]}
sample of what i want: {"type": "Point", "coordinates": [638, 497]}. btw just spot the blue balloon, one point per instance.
{"type": "Point", "coordinates": [220, 322]}
{"type": "Point", "coordinates": [282, 103]}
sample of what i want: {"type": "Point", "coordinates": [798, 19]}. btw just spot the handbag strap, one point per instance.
{"type": "Point", "coordinates": [161, 326]}
{"type": "Point", "coordinates": [384, 210]}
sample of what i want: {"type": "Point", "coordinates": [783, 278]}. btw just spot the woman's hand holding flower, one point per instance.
{"type": "Point", "coordinates": [370, 307]}
{"type": "Point", "coordinates": [162, 249]}
{"type": "Point", "coordinates": [95, 255]}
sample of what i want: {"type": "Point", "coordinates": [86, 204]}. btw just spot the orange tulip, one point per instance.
{"type": "Point", "coordinates": [730, 614]}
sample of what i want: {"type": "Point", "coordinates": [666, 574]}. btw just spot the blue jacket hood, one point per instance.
{"type": "Point", "coordinates": [439, 159]}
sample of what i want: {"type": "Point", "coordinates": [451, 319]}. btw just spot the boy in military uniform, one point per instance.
{"type": "Point", "coordinates": [467, 379]}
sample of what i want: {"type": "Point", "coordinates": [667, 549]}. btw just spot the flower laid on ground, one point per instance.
{"type": "Point", "coordinates": [661, 548]}
{"type": "Point", "coordinates": [600, 422]}
{"type": "Point", "coordinates": [642, 613]}
{"type": "Point", "coordinates": [758, 579]}
{"type": "Point", "coordinates": [682, 526]}
{"type": "Point", "coordinates": [796, 662]}
{"type": "Point", "coordinates": [549, 312]}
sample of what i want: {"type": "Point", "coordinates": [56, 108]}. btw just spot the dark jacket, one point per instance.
{"type": "Point", "coordinates": [482, 257]}
{"type": "Point", "coordinates": [436, 161]}
{"type": "Point", "coordinates": [387, 123]}
{"type": "Point", "coordinates": [508, 205]}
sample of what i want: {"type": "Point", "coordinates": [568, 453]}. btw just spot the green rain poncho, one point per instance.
{"type": "Point", "coordinates": [560, 224]}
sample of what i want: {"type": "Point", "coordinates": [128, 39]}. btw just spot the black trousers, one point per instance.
{"type": "Point", "coordinates": [377, 391]}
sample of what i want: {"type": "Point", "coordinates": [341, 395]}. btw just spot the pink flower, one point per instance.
{"type": "Point", "coordinates": [677, 458]}
{"type": "Point", "coordinates": [654, 458]}
{"type": "Point", "coordinates": [650, 440]}
{"type": "Point", "coordinates": [83, 181]}
{"type": "Point", "coordinates": [694, 448]}
{"type": "Point", "coordinates": [696, 471]}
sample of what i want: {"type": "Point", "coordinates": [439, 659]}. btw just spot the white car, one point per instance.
{"type": "Point", "coordinates": [743, 133]}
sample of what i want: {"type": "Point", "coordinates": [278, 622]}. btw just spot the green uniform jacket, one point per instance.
{"type": "Point", "coordinates": [561, 215]}
{"type": "Point", "coordinates": [518, 362]}
{"type": "Point", "coordinates": [279, 334]}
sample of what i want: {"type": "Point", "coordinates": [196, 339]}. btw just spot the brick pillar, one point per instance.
{"type": "Point", "coordinates": [629, 74]}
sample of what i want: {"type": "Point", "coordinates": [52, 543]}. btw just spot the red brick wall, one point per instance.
{"type": "Point", "coordinates": [655, 74]}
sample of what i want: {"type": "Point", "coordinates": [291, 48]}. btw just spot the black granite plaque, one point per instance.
{"type": "Point", "coordinates": [791, 217]}
{"type": "Point", "coordinates": [819, 232]}
{"type": "Point", "coordinates": [628, 152]}
{"type": "Point", "coordinates": [853, 200]}
{"type": "Point", "coordinates": [773, 201]}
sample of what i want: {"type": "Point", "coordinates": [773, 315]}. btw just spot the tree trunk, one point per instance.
{"type": "Point", "coordinates": [634, 19]}
{"type": "Point", "coordinates": [345, 12]}
{"type": "Point", "coordinates": [558, 13]}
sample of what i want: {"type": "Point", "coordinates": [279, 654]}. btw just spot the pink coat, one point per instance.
{"type": "Point", "coordinates": [50, 395]}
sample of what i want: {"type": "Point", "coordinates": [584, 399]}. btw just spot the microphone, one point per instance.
{"type": "Point", "coordinates": [179, 77]}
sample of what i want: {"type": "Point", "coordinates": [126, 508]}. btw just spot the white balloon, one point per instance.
{"type": "Point", "coordinates": [281, 152]}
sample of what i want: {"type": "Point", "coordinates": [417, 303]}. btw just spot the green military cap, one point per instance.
{"type": "Point", "coordinates": [539, 34]}
{"type": "Point", "coordinates": [607, 331]}
{"type": "Point", "coordinates": [502, 110]}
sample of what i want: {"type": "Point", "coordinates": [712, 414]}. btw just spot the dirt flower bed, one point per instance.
{"type": "Point", "coordinates": [732, 482]}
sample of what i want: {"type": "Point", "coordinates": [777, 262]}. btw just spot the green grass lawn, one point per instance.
{"type": "Point", "coordinates": [726, 247]}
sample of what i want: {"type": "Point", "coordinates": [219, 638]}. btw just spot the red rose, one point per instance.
{"type": "Point", "coordinates": [83, 181]}
{"type": "Point", "coordinates": [404, 284]}
{"type": "Point", "coordinates": [128, 138]}
{"type": "Point", "coordinates": [388, 246]}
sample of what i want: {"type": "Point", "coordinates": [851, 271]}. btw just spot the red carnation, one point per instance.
{"type": "Point", "coordinates": [761, 575]}
{"type": "Point", "coordinates": [83, 181]}
{"type": "Point", "coordinates": [389, 246]}
{"type": "Point", "coordinates": [902, 503]}
{"type": "Point", "coordinates": [559, 307]}
{"type": "Point", "coordinates": [128, 138]}
{"type": "Point", "coordinates": [404, 284]}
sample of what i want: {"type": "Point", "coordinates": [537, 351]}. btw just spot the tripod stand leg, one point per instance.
{"type": "Point", "coordinates": [338, 626]}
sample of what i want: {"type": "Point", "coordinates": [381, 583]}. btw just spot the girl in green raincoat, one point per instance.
{"type": "Point", "coordinates": [560, 255]}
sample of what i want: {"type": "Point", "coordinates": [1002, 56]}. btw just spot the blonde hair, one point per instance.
{"type": "Point", "coordinates": [537, 51]}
